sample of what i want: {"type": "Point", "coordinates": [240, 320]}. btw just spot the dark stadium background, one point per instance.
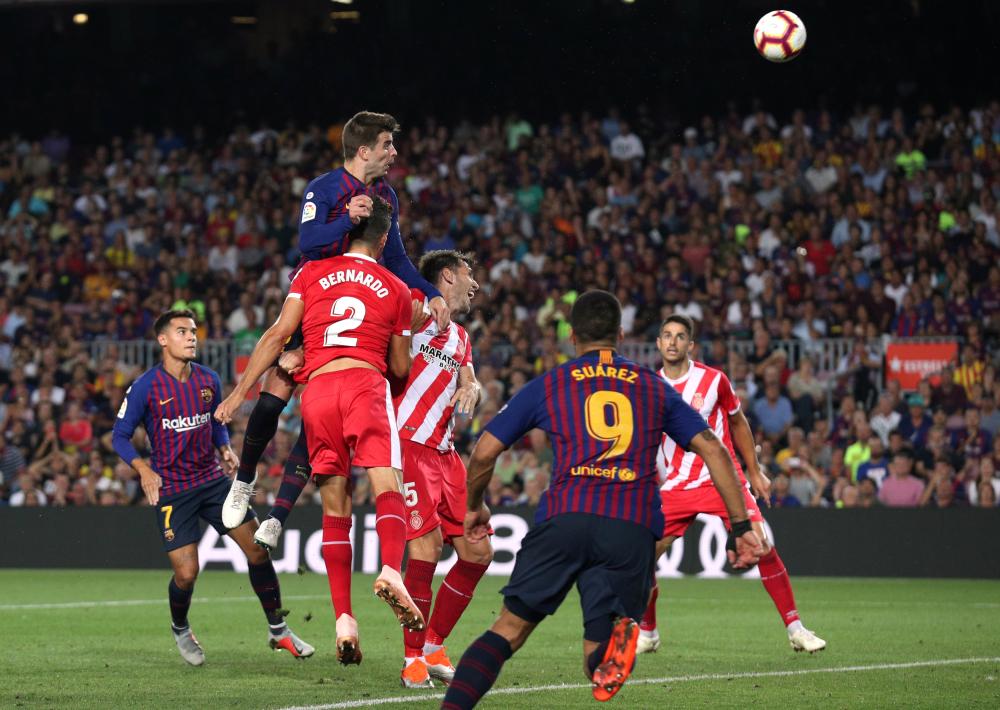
{"type": "Point", "coordinates": [181, 63]}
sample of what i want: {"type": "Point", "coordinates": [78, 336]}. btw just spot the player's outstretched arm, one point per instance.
{"type": "Point", "coordinates": [264, 354]}
{"type": "Point", "coordinates": [484, 458]}
{"type": "Point", "coordinates": [742, 435]}
{"type": "Point", "coordinates": [720, 467]}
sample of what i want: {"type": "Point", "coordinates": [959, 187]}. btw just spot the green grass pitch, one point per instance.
{"type": "Point", "coordinates": [101, 639]}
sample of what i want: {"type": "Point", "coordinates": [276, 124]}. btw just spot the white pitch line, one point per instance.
{"type": "Point", "coordinates": [651, 681]}
{"type": "Point", "coordinates": [145, 602]}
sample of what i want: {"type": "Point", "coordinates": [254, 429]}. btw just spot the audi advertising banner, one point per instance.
{"type": "Point", "coordinates": [883, 542]}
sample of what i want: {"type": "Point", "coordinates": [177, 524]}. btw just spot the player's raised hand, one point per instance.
{"type": "Point", "coordinates": [477, 524]}
{"type": "Point", "coordinates": [440, 311]}
{"type": "Point", "coordinates": [227, 408]}
{"type": "Point", "coordinates": [748, 551]}
{"type": "Point", "coordinates": [230, 461]}
{"type": "Point", "coordinates": [466, 397]}
{"type": "Point", "coordinates": [359, 207]}
{"type": "Point", "coordinates": [291, 361]}
{"type": "Point", "coordinates": [151, 483]}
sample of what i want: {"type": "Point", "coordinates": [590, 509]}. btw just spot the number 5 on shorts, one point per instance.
{"type": "Point", "coordinates": [410, 494]}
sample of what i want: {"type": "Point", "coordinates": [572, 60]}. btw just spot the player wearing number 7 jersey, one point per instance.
{"type": "Point", "coordinates": [598, 522]}
{"type": "Point", "coordinates": [353, 313]}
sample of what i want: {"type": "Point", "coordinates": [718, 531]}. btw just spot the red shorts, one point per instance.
{"type": "Point", "coordinates": [349, 419]}
{"type": "Point", "coordinates": [434, 490]}
{"type": "Point", "coordinates": [681, 507]}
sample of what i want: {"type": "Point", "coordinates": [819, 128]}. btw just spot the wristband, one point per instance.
{"type": "Point", "coordinates": [737, 530]}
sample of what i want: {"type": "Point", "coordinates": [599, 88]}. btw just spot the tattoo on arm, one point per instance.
{"type": "Point", "coordinates": [708, 435]}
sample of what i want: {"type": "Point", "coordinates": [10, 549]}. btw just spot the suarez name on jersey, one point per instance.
{"type": "Point", "coordinates": [352, 307]}
{"type": "Point", "coordinates": [710, 393]}
{"type": "Point", "coordinates": [424, 409]}
{"type": "Point", "coordinates": [177, 417]}
{"type": "Point", "coordinates": [606, 417]}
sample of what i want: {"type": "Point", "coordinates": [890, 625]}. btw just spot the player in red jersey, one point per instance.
{"type": "Point", "coordinates": [332, 204]}
{"type": "Point", "coordinates": [352, 312]}
{"type": "Point", "coordinates": [687, 488]}
{"type": "Point", "coordinates": [442, 382]}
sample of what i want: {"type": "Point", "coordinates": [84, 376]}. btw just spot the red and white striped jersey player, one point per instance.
{"type": "Point", "coordinates": [687, 489]}
{"type": "Point", "coordinates": [441, 384]}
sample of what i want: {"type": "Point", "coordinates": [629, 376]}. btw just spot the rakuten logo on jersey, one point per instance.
{"type": "Point", "coordinates": [186, 423]}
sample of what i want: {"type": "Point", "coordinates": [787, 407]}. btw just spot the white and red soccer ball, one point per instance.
{"type": "Point", "coordinates": [779, 36]}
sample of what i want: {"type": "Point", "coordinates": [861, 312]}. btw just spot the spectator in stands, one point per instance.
{"type": "Point", "coordinates": [774, 413]}
{"type": "Point", "coordinates": [901, 489]}
{"type": "Point", "coordinates": [806, 392]}
{"type": "Point", "coordinates": [780, 495]}
{"type": "Point", "coordinates": [876, 467]}
{"type": "Point", "coordinates": [885, 418]}
{"type": "Point", "coordinates": [914, 427]}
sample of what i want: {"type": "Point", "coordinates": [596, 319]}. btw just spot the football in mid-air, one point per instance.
{"type": "Point", "coordinates": [779, 36]}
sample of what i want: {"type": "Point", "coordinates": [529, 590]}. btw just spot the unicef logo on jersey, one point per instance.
{"type": "Point", "coordinates": [180, 424]}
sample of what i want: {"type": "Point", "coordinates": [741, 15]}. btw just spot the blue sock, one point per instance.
{"type": "Point", "coordinates": [295, 478]}
{"type": "Point", "coordinates": [477, 671]}
{"type": "Point", "coordinates": [265, 582]}
{"type": "Point", "coordinates": [180, 602]}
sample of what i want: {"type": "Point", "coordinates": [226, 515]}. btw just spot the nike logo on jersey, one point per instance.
{"type": "Point", "coordinates": [164, 401]}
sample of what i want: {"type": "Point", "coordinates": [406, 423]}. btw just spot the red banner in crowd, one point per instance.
{"type": "Point", "coordinates": [908, 363]}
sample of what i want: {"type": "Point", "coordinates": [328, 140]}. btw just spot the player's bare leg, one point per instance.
{"type": "Point", "coordinates": [265, 583]}
{"type": "Point", "coordinates": [649, 636]}
{"type": "Point", "coordinates": [277, 389]}
{"type": "Point", "coordinates": [774, 577]}
{"type": "Point", "coordinates": [337, 554]}
{"type": "Point", "coordinates": [386, 483]}
{"type": "Point", "coordinates": [184, 561]}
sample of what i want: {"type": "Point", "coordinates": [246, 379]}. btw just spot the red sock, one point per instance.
{"type": "Point", "coordinates": [453, 596]}
{"type": "Point", "coordinates": [391, 528]}
{"type": "Point", "coordinates": [648, 622]}
{"type": "Point", "coordinates": [776, 582]}
{"type": "Point", "coordinates": [337, 554]}
{"type": "Point", "coordinates": [419, 575]}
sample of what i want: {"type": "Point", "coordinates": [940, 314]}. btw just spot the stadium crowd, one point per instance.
{"type": "Point", "coordinates": [877, 222]}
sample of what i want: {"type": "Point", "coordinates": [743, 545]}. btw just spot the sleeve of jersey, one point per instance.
{"type": "Point", "coordinates": [467, 360]}
{"type": "Point", "coordinates": [520, 415]}
{"type": "Point", "coordinates": [131, 412]}
{"type": "Point", "coordinates": [396, 259]}
{"type": "Point", "coordinates": [317, 237]}
{"type": "Point", "coordinates": [220, 433]}
{"type": "Point", "coordinates": [680, 422]}
{"type": "Point", "coordinates": [297, 287]}
{"type": "Point", "coordinates": [727, 397]}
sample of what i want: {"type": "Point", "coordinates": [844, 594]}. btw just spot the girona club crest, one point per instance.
{"type": "Point", "coordinates": [416, 522]}
{"type": "Point", "coordinates": [697, 402]}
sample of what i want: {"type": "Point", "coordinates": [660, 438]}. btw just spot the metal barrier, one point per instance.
{"type": "Point", "coordinates": [220, 355]}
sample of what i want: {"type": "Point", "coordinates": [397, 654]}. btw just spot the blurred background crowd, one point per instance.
{"type": "Point", "coordinates": [773, 232]}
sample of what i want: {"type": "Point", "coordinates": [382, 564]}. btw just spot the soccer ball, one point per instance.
{"type": "Point", "coordinates": [779, 36]}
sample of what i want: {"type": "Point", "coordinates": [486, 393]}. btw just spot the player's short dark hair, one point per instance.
{"type": "Point", "coordinates": [680, 319]}
{"type": "Point", "coordinates": [434, 262]}
{"type": "Point", "coordinates": [596, 317]}
{"type": "Point", "coordinates": [370, 229]}
{"type": "Point", "coordinates": [163, 321]}
{"type": "Point", "coordinates": [364, 128]}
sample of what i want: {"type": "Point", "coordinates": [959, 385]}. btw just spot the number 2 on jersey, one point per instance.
{"type": "Point", "coordinates": [618, 429]}
{"type": "Point", "coordinates": [341, 307]}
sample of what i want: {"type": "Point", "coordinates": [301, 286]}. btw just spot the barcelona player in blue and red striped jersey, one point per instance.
{"type": "Point", "coordinates": [598, 522]}
{"type": "Point", "coordinates": [332, 205]}
{"type": "Point", "coordinates": [185, 481]}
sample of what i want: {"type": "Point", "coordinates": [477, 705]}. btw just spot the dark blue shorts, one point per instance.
{"type": "Point", "coordinates": [609, 560]}
{"type": "Point", "coordinates": [177, 515]}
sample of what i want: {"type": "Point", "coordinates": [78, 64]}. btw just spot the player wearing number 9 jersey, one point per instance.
{"type": "Point", "coordinates": [353, 314]}
{"type": "Point", "coordinates": [598, 522]}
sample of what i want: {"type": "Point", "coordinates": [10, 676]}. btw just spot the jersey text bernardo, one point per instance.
{"type": "Point", "coordinates": [599, 370]}
{"type": "Point", "coordinates": [354, 276]}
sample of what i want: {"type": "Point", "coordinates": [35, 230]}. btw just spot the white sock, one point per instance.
{"type": "Point", "coordinates": [430, 648]}
{"type": "Point", "coordinates": [410, 659]}
{"type": "Point", "coordinates": [794, 626]}
{"type": "Point", "coordinates": [650, 632]}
